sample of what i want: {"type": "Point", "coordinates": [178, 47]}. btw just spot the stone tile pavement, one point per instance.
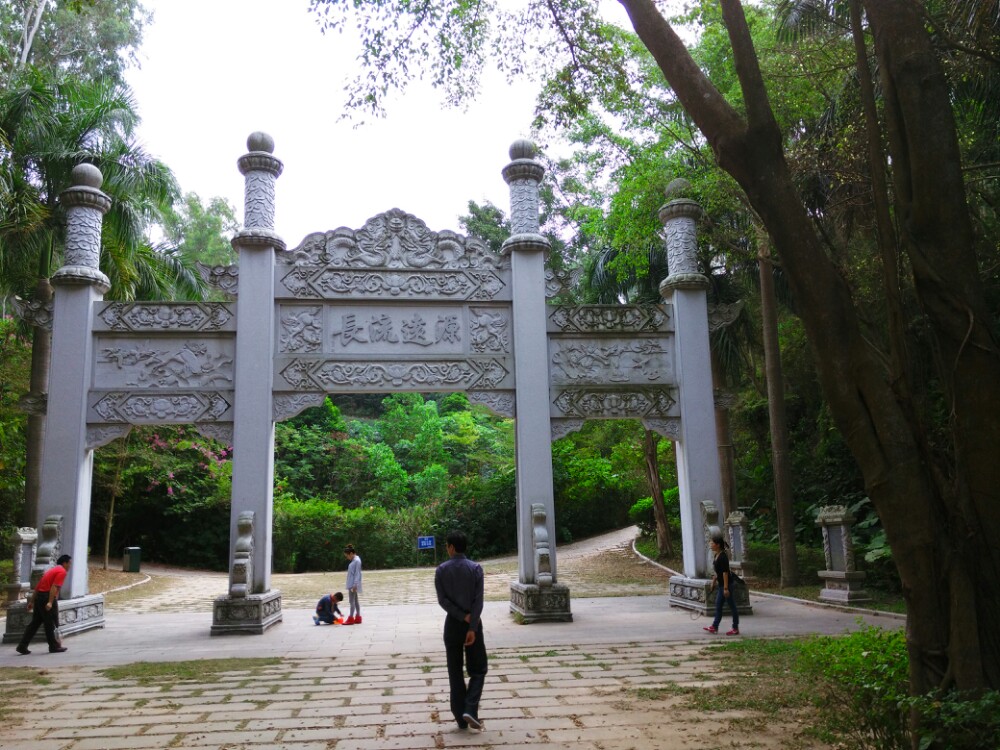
{"type": "Point", "coordinates": [382, 685]}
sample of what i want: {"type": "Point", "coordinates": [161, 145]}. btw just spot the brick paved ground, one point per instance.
{"type": "Point", "coordinates": [606, 681]}
{"type": "Point", "coordinates": [561, 697]}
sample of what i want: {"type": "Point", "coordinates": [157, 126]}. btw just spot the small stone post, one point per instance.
{"type": "Point", "coordinates": [844, 584]}
{"type": "Point", "coordinates": [529, 600]}
{"type": "Point", "coordinates": [253, 420]}
{"type": "Point", "coordinates": [696, 448]}
{"type": "Point", "coordinates": [25, 540]}
{"type": "Point", "coordinates": [737, 525]}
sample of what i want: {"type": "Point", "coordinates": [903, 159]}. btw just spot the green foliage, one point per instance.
{"type": "Point", "coordinates": [174, 496]}
{"type": "Point", "coordinates": [202, 670]}
{"type": "Point", "coordinates": [311, 536]}
{"type": "Point", "coordinates": [766, 559]}
{"type": "Point", "coordinates": [87, 39]}
{"type": "Point", "coordinates": [15, 363]}
{"type": "Point", "coordinates": [958, 720]}
{"type": "Point", "coordinates": [866, 682]}
{"type": "Point", "coordinates": [641, 514]}
{"type": "Point", "coordinates": [201, 233]}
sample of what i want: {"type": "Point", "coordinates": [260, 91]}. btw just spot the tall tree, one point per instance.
{"type": "Point", "coordinates": [47, 128]}
{"type": "Point", "coordinates": [940, 503]}
{"type": "Point", "coordinates": [85, 39]}
{"type": "Point", "coordinates": [201, 233]}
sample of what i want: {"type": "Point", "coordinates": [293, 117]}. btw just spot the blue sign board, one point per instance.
{"type": "Point", "coordinates": [425, 542]}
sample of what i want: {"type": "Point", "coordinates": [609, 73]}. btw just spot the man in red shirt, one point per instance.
{"type": "Point", "coordinates": [44, 607]}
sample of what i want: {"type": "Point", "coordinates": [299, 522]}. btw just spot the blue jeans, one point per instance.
{"type": "Point", "coordinates": [720, 598]}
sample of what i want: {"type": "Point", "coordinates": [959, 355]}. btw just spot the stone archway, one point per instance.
{"type": "Point", "coordinates": [390, 306]}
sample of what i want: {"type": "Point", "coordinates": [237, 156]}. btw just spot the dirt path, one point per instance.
{"type": "Point", "coordinates": [600, 566]}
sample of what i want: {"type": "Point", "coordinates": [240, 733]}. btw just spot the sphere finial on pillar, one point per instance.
{"type": "Point", "coordinates": [87, 175]}
{"type": "Point", "coordinates": [678, 188]}
{"type": "Point", "coordinates": [260, 141]}
{"type": "Point", "coordinates": [522, 148]}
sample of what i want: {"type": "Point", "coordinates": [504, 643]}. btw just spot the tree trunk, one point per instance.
{"type": "Point", "coordinates": [664, 544]}
{"type": "Point", "coordinates": [936, 235]}
{"type": "Point", "coordinates": [38, 386]}
{"type": "Point", "coordinates": [776, 417]}
{"type": "Point", "coordinates": [724, 434]}
{"type": "Point", "coordinates": [941, 514]}
{"type": "Point", "coordinates": [32, 20]}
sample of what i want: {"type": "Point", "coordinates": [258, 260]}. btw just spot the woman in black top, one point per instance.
{"type": "Point", "coordinates": [722, 580]}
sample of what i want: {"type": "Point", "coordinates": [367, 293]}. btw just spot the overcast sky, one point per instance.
{"type": "Point", "coordinates": [213, 71]}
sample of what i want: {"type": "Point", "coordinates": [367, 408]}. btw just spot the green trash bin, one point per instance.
{"type": "Point", "coordinates": [132, 558]}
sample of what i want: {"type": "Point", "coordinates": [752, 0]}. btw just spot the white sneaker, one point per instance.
{"type": "Point", "coordinates": [472, 721]}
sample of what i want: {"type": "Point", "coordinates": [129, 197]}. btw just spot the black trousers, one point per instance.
{"type": "Point", "coordinates": [464, 698]}
{"type": "Point", "coordinates": [42, 616]}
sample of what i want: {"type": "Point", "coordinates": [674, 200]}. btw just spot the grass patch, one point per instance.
{"type": "Point", "coordinates": [209, 670]}
{"type": "Point", "coordinates": [646, 546]}
{"type": "Point", "coordinates": [760, 676]}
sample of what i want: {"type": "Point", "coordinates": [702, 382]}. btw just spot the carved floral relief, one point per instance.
{"type": "Point", "coordinates": [208, 316]}
{"type": "Point", "coordinates": [604, 404]}
{"type": "Point", "coordinates": [609, 318]}
{"type": "Point", "coordinates": [335, 375]}
{"type": "Point", "coordinates": [138, 408]}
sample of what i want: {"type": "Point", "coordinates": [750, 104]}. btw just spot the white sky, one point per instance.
{"type": "Point", "coordinates": [213, 71]}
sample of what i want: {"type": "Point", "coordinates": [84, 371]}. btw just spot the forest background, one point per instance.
{"type": "Point", "coordinates": [379, 472]}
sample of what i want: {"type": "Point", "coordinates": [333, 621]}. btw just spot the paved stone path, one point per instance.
{"type": "Point", "coordinates": [607, 681]}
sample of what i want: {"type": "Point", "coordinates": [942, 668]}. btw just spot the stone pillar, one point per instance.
{"type": "Point", "coordinates": [533, 598]}
{"type": "Point", "coordinates": [253, 420]}
{"type": "Point", "coordinates": [696, 448]}
{"type": "Point", "coordinates": [67, 463]}
{"type": "Point", "coordinates": [844, 584]}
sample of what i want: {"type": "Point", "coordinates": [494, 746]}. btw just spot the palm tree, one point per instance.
{"type": "Point", "coordinates": [47, 127]}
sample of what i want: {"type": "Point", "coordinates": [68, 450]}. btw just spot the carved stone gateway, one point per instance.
{"type": "Point", "coordinates": [391, 306]}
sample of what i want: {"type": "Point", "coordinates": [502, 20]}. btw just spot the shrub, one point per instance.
{"type": "Point", "coordinates": [641, 514]}
{"type": "Point", "coordinates": [958, 720]}
{"type": "Point", "coordinates": [866, 683]}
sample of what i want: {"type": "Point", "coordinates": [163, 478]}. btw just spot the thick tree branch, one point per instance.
{"type": "Point", "coordinates": [713, 115]}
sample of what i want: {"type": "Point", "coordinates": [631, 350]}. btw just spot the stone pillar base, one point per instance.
{"type": "Point", "coordinates": [696, 594]}
{"type": "Point", "coordinates": [15, 592]}
{"type": "Point", "coordinates": [75, 616]}
{"type": "Point", "coordinates": [530, 602]}
{"type": "Point", "coordinates": [246, 615]}
{"type": "Point", "coordinates": [842, 587]}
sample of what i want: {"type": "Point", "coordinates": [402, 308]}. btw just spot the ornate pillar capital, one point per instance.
{"type": "Point", "coordinates": [680, 218]}
{"type": "Point", "coordinates": [85, 208]}
{"type": "Point", "coordinates": [260, 170]}
{"type": "Point", "coordinates": [523, 175]}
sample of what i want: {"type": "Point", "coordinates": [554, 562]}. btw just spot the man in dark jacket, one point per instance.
{"type": "Point", "coordinates": [459, 584]}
